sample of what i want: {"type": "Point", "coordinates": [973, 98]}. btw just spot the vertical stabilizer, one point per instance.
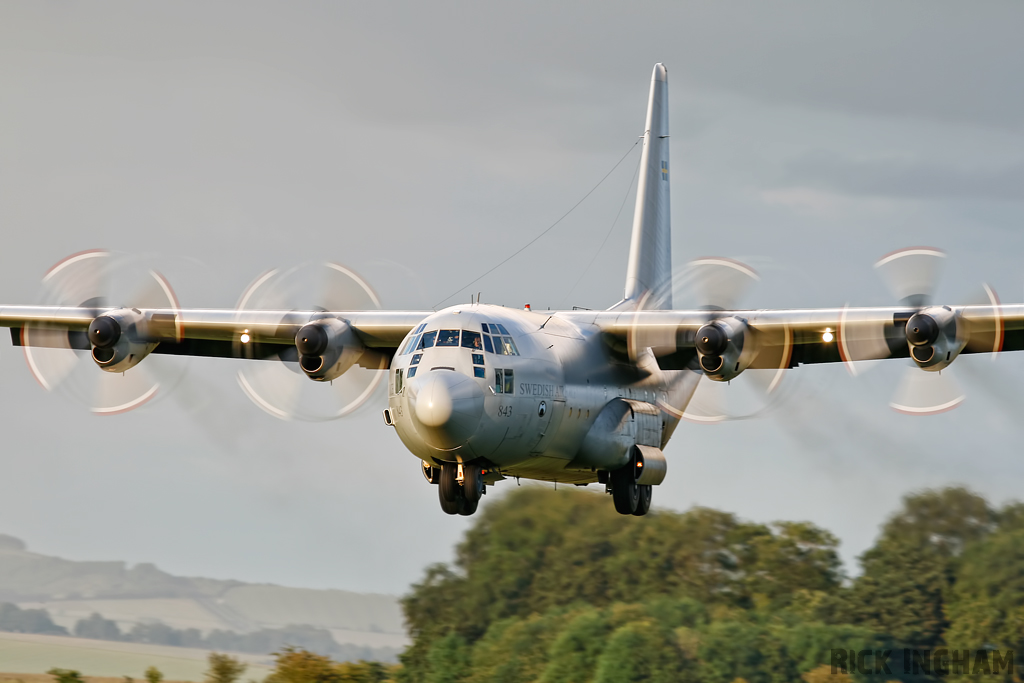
{"type": "Point", "coordinates": [650, 251]}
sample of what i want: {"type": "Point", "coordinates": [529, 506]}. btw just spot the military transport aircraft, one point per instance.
{"type": "Point", "coordinates": [480, 393]}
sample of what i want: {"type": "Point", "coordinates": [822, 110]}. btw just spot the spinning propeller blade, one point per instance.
{"type": "Point", "coordinates": [278, 385]}
{"type": "Point", "coordinates": [61, 359]}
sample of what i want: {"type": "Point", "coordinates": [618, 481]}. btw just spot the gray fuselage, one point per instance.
{"type": "Point", "coordinates": [542, 407]}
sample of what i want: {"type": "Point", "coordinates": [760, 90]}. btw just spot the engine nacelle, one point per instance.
{"type": "Point", "coordinates": [723, 349]}
{"type": "Point", "coordinates": [119, 339]}
{"type": "Point", "coordinates": [327, 348]}
{"type": "Point", "coordinates": [935, 336]}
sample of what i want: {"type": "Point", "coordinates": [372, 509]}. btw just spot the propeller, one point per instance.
{"type": "Point", "coordinates": [60, 359]}
{"type": "Point", "coordinates": [278, 384]}
{"type": "Point", "coordinates": [912, 276]}
{"type": "Point", "coordinates": [718, 284]}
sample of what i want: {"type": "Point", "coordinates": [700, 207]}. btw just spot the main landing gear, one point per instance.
{"type": "Point", "coordinates": [630, 498]}
{"type": "Point", "coordinates": [459, 487]}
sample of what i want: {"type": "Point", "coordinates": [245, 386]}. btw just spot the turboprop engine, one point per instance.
{"type": "Point", "coordinates": [722, 348]}
{"type": "Point", "coordinates": [120, 339]}
{"type": "Point", "coordinates": [327, 348]}
{"type": "Point", "coordinates": [936, 336]}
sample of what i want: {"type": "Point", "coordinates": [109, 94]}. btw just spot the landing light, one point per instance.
{"type": "Point", "coordinates": [827, 337]}
{"type": "Point", "coordinates": [245, 337]}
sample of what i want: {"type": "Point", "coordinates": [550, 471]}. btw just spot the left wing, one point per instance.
{"type": "Point", "coordinates": [779, 339]}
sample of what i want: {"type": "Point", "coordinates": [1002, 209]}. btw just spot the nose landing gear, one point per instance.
{"type": "Point", "coordinates": [459, 488]}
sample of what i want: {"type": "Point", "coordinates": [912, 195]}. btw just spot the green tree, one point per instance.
{"type": "Point", "coordinates": [66, 676]}
{"type": "Point", "coordinates": [902, 592]}
{"type": "Point", "coordinates": [223, 668]}
{"type": "Point", "coordinates": [153, 675]}
{"type": "Point", "coordinates": [910, 571]}
{"type": "Point", "coordinates": [948, 519]}
{"type": "Point", "coordinates": [790, 559]}
{"type": "Point", "coordinates": [732, 649]}
{"type": "Point", "coordinates": [448, 660]}
{"type": "Point", "coordinates": [16, 620]}
{"type": "Point", "coordinates": [95, 626]}
{"type": "Point", "coordinates": [641, 651]}
{"type": "Point", "coordinates": [987, 604]}
{"type": "Point", "coordinates": [294, 665]}
{"type": "Point", "coordinates": [365, 672]}
{"type": "Point", "coordinates": [574, 653]}
{"type": "Point", "coordinates": [516, 650]}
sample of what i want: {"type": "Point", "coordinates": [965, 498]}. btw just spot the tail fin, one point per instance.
{"type": "Point", "coordinates": [650, 251]}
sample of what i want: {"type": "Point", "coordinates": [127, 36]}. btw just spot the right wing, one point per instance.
{"type": "Point", "coordinates": [209, 332]}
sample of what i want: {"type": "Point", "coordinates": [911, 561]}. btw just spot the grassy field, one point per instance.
{"type": "Point", "coordinates": [35, 654]}
{"type": "Point", "coordinates": [45, 678]}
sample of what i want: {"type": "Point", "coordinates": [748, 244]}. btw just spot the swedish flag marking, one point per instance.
{"type": "Point", "coordinates": [664, 170]}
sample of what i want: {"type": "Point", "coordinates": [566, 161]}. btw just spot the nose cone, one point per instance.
{"type": "Point", "coordinates": [448, 406]}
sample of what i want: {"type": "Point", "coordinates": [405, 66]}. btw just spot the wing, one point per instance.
{"type": "Point", "coordinates": [210, 332]}
{"type": "Point", "coordinates": [779, 339]}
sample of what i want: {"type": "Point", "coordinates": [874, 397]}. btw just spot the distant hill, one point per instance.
{"type": "Point", "coordinates": [26, 576]}
{"type": "Point", "coordinates": [70, 590]}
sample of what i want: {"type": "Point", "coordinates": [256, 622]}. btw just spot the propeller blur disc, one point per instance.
{"type": "Point", "coordinates": [718, 284]}
{"type": "Point", "coordinates": [912, 274]}
{"type": "Point", "coordinates": [926, 393]}
{"type": "Point", "coordinates": [60, 359]}
{"type": "Point", "coordinates": [277, 385]}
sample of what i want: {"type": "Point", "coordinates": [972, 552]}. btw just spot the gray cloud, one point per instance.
{"type": "Point", "coordinates": [902, 178]}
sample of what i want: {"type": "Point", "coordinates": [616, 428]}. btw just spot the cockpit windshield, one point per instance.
{"type": "Point", "coordinates": [495, 339]}
{"type": "Point", "coordinates": [427, 340]}
{"type": "Point", "coordinates": [447, 338]}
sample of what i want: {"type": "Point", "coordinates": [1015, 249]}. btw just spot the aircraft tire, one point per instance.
{"type": "Point", "coordinates": [466, 508]}
{"type": "Point", "coordinates": [643, 500]}
{"type": "Point", "coordinates": [447, 487]}
{"type": "Point", "coordinates": [451, 507]}
{"type": "Point", "coordinates": [472, 484]}
{"type": "Point", "coordinates": [625, 492]}
{"type": "Point", "coordinates": [448, 490]}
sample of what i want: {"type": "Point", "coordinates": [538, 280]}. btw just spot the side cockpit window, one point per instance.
{"type": "Point", "coordinates": [413, 342]}
{"type": "Point", "coordinates": [504, 381]}
{"type": "Point", "coordinates": [496, 339]}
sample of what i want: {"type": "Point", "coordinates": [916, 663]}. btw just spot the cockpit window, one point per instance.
{"type": "Point", "coordinates": [427, 340]}
{"type": "Point", "coordinates": [498, 340]}
{"type": "Point", "coordinates": [447, 338]}
{"type": "Point", "coordinates": [471, 340]}
{"type": "Point", "coordinates": [411, 344]}
{"type": "Point", "coordinates": [504, 381]}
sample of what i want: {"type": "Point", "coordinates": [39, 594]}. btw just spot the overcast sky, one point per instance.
{"type": "Point", "coordinates": [422, 143]}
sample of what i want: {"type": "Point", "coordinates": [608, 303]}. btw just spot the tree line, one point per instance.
{"type": "Point", "coordinates": [291, 665]}
{"type": "Point", "coordinates": [263, 641]}
{"type": "Point", "coordinates": [554, 586]}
